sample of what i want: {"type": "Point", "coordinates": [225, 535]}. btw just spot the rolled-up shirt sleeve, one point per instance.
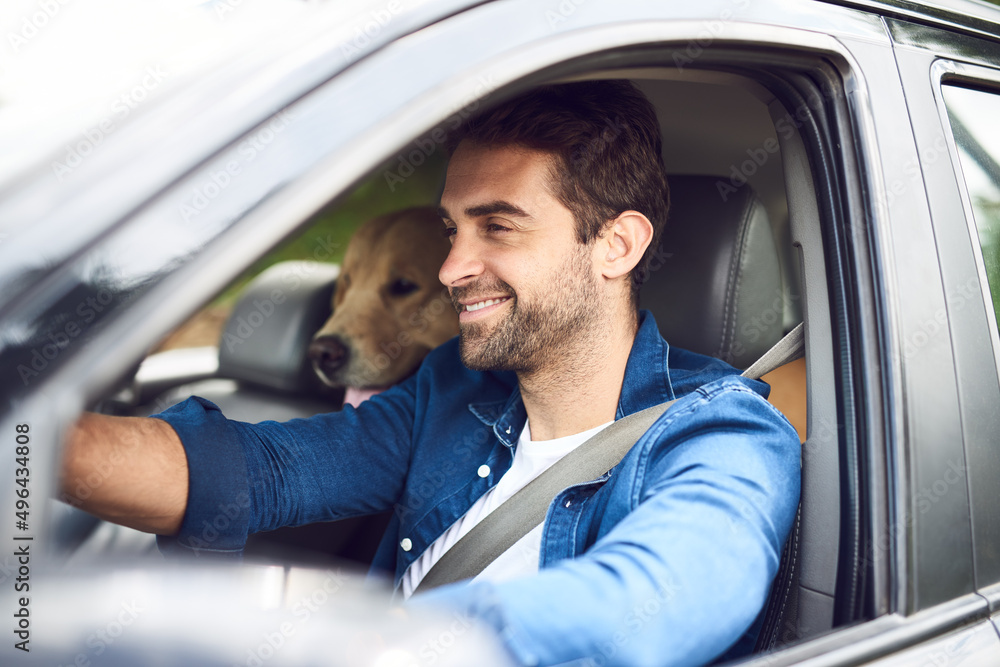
{"type": "Point", "coordinates": [245, 478]}
{"type": "Point", "coordinates": [217, 516]}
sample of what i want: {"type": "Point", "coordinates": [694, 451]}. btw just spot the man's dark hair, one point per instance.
{"type": "Point", "coordinates": [606, 139]}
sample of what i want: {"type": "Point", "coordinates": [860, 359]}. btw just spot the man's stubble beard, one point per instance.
{"type": "Point", "coordinates": [531, 334]}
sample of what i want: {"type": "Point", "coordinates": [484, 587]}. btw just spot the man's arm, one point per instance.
{"type": "Point", "coordinates": [129, 470]}
{"type": "Point", "coordinates": [710, 493]}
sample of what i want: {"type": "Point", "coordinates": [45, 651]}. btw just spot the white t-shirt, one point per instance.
{"type": "Point", "coordinates": [531, 459]}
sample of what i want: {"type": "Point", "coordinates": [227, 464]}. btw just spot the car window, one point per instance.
{"type": "Point", "coordinates": [973, 115]}
{"type": "Point", "coordinates": [323, 240]}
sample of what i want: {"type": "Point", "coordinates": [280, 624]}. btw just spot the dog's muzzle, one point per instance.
{"type": "Point", "coordinates": [328, 354]}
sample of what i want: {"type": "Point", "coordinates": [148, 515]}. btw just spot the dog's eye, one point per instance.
{"type": "Point", "coordinates": [402, 287]}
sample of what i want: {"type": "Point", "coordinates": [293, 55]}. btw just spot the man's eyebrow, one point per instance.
{"type": "Point", "coordinates": [496, 207]}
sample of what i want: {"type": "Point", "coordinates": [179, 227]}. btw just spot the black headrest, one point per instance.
{"type": "Point", "coordinates": [267, 334]}
{"type": "Point", "coordinates": [715, 281]}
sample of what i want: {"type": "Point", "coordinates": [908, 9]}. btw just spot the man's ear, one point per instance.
{"type": "Point", "coordinates": [623, 243]}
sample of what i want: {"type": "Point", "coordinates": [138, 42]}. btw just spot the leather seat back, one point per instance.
{"type": "Point", "coordinates": [715, 287]}
{"type": "Point", "coordinates": [263, 371]}
{"type": "Point", "coordinates": [715, 277]}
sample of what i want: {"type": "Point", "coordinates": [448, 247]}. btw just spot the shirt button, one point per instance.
{"type": "Point", "coordinates": [406, 544]}
{"type": "Point", "coordinates": [484, 471]}
{"type": "Point", "coordinates": [568, 503]}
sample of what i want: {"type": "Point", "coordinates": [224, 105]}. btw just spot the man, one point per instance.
{"type": "Point", "coordinates": [552, 203]}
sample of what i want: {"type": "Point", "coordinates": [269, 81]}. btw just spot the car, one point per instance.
{"type": "Point", "coordinates": [835, 163]}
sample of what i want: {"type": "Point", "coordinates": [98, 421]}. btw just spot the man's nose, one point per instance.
{"type": "Point", "coordinates": [463, 261]}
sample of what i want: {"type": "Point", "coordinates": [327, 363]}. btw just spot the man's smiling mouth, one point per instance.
{"type": "Point", "coordinates": [472, 307]}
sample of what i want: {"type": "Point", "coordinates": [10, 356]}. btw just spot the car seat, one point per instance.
{"type": "Point", "coordinates": [715, 272]}
{"type": "Point", "coordinates": [262, 371]}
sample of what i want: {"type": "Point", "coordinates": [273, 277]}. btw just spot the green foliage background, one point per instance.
{"type": "Point", "coordinates": [334, 226]}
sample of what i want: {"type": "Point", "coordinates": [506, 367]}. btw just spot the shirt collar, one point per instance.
{"type": "Point", "coordinates": [646, 383]}
{"type": "Point", "coordinates": [647, 372]}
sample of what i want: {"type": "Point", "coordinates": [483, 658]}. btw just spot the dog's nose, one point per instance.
{"type": "Point", "coordinates": [328, 353]}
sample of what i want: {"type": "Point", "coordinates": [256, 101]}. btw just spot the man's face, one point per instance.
{"type": "Point", "coordinates": [525, 288]}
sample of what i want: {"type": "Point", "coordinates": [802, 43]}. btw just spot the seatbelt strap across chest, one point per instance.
{"type": "Point", "coordinates": [527, 508]}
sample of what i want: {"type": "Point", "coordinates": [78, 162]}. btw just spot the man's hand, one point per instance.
{"type": "Point", "coordinates": [129, 470]}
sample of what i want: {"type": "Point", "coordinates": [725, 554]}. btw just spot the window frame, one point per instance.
{"type": "Point", "coordinates": [986, 529]}
{"type": "Point", "coordinates": [950, 72]}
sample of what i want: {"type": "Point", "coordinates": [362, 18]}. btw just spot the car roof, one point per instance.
{"type": "Point", "coordinates": [975, 17]}
{"type": "Point", "coordinates": [162, 88]}
{"type": "Point", "coordinates": [64, 74]}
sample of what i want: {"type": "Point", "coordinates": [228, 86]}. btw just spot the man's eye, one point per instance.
{"type": "Point", "coordinates": [402, 287]}
{"type": "Point", "coordinates": [496, 227]}
{"type": "Point", "coordinates": [449, 232]}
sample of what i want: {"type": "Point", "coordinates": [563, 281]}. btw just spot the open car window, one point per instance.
{"type": "Point", "coordinates": [770, 126]}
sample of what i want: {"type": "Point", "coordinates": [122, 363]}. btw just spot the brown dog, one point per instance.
{"type": "Point", "coordinates": [389, 308]}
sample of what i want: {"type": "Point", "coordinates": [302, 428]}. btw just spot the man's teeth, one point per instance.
{"type": "Point", "coordinates": [472, 307]}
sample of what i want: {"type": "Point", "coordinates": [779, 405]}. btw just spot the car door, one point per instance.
{"type": "Point", "coordinates": [881, 574]}
{"type": "Point", "coordinates": [952, 91]}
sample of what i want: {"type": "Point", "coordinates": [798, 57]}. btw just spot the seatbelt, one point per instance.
{"type": "Point", "coordinates": [527, 508]}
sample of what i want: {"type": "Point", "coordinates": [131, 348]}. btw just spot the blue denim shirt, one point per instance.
{"type": "Point", "coordinates": [666, 559]}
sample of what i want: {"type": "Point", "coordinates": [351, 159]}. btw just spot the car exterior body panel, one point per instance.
{"type": "Point", "coordinates": [130, 252]}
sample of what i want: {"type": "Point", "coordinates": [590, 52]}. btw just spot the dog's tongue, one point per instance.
{"type": "Point", "coordinates": [356, 396]}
